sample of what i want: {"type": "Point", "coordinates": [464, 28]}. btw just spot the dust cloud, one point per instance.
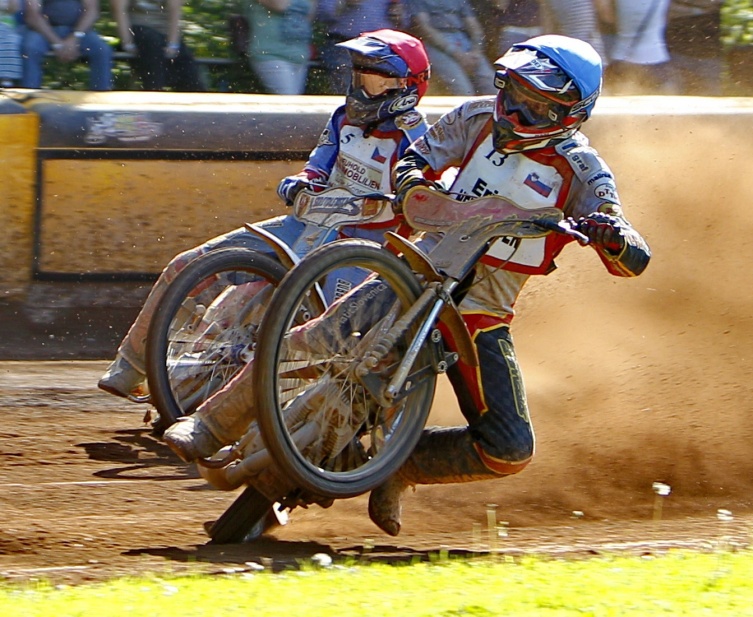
{"type": "Point", "coordinates": [633, 381]}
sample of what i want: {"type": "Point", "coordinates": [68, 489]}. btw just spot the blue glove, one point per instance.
{"type": "Point", "coordinates": [289, 188]}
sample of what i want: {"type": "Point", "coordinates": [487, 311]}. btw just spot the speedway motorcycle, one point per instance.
{"type": "Point", "coordinates": [343, 389]}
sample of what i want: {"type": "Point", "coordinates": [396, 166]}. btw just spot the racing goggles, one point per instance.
{"type": "Point", "coordinates": [533, 108]}
{"type": "Point", "coordinates": [374, 83]}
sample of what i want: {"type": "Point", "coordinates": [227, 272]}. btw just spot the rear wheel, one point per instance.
{"type": "Point", "coordinates": [331, 431]}
{"type": "Point", "coordinates": [205, 328]}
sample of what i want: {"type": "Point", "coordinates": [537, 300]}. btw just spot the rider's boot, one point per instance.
{"type": "Point", "coordinates": [220, 420]}
{"type": "Point", "coordinates": [442, 456]}
{"type": "Point", "coordinates": [121, 378]}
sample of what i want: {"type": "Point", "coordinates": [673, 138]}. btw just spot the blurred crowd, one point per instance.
{"type": "Point", "coordinates": [648, 46]}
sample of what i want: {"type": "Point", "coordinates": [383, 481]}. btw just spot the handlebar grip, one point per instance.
{"type": "Point", "coordinates": [564, 227]}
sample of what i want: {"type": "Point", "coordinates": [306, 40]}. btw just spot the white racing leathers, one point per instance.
{"type": "Point", "coordinates": [570, 176]}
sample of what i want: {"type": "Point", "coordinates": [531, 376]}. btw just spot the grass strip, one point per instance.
{"type": "Point", "coordinates": [677, 583]}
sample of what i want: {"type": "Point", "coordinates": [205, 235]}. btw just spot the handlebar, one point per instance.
{"type": "Point", "coordinates": [338, 206]}
{"type": "Point", "coordinates": [567, 227]}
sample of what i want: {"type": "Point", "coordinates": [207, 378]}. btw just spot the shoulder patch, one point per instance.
{"type": "Point", "coordinates": [409, 120]}
{"type": "Point", "coordinates": [576, 140]}
{"type": "Point", "coordinates": [590, 169]}
{"type": "Point", "coordinates": [325, 139]}
{"type": "Point", "coordinates": [473, 107]}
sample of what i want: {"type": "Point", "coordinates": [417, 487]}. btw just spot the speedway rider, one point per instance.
{"type": "Point", "coordinates": [525, 145]}
{"type": "Point", "coordinates": [357, 149]}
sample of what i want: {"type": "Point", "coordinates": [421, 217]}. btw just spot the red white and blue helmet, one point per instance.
{"type": "Point", "coordinates": [397, 58]}
{"type": "Point", "coordinates": [548, 86]}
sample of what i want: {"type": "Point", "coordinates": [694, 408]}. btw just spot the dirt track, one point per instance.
{"type": "Point", "coordinates": [630, 382]}
{"type": "Point", "coordinates": [88, 494]}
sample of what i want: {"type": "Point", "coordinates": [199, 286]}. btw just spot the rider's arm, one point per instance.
{"type": "Point", "coordinates": [322, 159]}
{"type": "Point", "coordinates": [621, 248]}
{"type": "Point", "coordinates": [410, 171]}
{"type": "Point", "coordinates": [594, 203]}
{"type": "Point", "coordinates": [443, 146]}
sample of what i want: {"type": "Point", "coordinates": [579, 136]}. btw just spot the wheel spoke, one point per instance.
{"type": "Point", "coordinates": [359, 443]}
{"type": "Point", "coordinates": [205, 329]}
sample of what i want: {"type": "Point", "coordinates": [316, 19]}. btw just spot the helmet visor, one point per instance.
{"type": "Point", "coordinates": [375, 84]}
{"type": "Point", "coordinates": [533, 108]}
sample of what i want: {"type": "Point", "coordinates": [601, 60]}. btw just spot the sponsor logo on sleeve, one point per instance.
{"type": "Point", "coordinates": [606, 191]}
{"type": "Point", "coordinates": [325, 138]}
{"type": "Point", "coordinates": [421, 146]}
{"type": "Point", "coordinates": [578, 160]}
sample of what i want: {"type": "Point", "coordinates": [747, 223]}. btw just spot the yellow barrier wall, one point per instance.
{"type": "Point", "coordinates": [127, 180]}
{"type": "Point", "coordinates": [133, 216]}
{"type": "Point", "coordinates": [18, 136]}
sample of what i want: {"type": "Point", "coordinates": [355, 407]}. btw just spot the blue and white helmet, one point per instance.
{"type": "Point", "coordinates": [548, 86]}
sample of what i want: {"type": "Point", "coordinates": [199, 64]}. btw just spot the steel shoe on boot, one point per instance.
{"type": "Point", "coordinates": [121, 378]}
{"type": "Point", "coordinates": [385, 505]}
{"type": "Point", "coordinates": [191, 439]}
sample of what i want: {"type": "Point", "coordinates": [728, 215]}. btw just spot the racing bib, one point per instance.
{"type": "Point", "coordinates": [525, 182]}
{"type": "Point", "coordinates": [363, 163]}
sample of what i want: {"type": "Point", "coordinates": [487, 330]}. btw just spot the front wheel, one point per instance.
{"type": "Point", "coordinates": [325, 423]}
{"type": "Point", "coordinates": [204, 330]}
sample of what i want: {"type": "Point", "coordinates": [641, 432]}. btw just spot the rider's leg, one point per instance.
{"type": "Point", "coordinates": [497, 442]}
{"type": "Point", "coordinates": [220, 420]}
{"type": "Point", "coordinates": [128, 370]}
{"type": "Point", "coordinates": [224, 417]}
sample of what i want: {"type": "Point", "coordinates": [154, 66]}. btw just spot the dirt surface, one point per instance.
{"type": "Point", "coordinates": [630, 382]}
{"type": "Point", "coordinates": [87, 493]}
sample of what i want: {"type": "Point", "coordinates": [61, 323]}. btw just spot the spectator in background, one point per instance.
{"type": "Point", "coordinates": [150, 29]}
{"type": "Point", "coordinates": [507, 22]}
{"type": "Point", "coordinates": [279, 47]}
{"type": "Point", "coordinates": [346, 19]}
{"type": "Point", "coordinates": [454, 40]}
{"type": "Point", "coordinates": [695, 45]}
{"type": "Point", "coordinates": [640, 61]}
{"type": "Point", "coordinates": [578, 19]}
{"type": "Point", "coordinates": [10, 44]}
{"type": "Point", "coordinates": [67, 28]}
{"type": "Point", "coordinates": [520, 19]}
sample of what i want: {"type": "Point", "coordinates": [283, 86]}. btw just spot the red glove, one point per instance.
{"type": "Point", "coordinates": [603, 230]}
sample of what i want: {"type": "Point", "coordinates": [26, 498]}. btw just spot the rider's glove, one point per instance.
{"type": "Point", "coordinates": [289, 188]}
{"type": "Point", "coordinates": [410, 183]}
{"type": "Point", "coordinates": [603, 230]}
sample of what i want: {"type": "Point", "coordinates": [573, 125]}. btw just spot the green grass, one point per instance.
{"type": "Point", "coordinates": [678, 583]}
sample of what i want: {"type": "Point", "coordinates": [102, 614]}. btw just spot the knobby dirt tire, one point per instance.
{"type": "Point", "coordinates": [282, 378]}
{"type": "Point", "coordinates": [213, 359]}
